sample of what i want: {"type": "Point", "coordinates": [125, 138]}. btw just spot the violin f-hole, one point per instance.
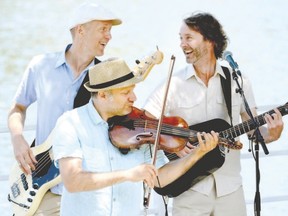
{"type": "Point", "coordinates": [144, 135]}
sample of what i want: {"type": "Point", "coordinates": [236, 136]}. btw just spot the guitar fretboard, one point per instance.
{"type": "Point", "coordinates": [249, 125]}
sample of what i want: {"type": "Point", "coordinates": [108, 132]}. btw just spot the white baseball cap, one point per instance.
{"type": "Point", "coordinates": [90, 11]}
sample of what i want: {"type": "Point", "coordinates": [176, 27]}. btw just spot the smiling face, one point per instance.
{"type": "Point", "coordinates": [96, 36]}
{"type": "Point", "coordinates": [193, 44]}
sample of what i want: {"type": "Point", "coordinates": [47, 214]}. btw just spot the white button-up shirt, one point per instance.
{"type": "Point", "coordinates": [190, 99]}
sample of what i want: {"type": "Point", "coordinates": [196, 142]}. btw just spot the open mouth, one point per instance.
{"type": "Point", "coordinates": [188, 52]}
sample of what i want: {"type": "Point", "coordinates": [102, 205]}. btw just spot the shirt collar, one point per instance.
{"type": "Point", "coordinates": [219, 70]}
{"type": "Point", "coordinates": [93, 114]}
{"type": "Point", "coordinates": [62, 59]}
{"type": "Point", "coordinates": [190, 71]}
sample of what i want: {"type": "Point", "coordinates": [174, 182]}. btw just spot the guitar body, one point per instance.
{"type": "Point", "coordinates": [212, 161]}
{"type": "Point", "coordinates": [27, 191]}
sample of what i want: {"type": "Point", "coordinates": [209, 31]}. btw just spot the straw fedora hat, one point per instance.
{"type": "Point", "coordinates": [87, 12]}
{"type": "Point", "coordinates": [110, 74]}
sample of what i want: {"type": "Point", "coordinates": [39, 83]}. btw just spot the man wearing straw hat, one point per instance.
{"type": "Point", "coordinates": [53, 80]}
{"type": "Point", "coordinates": [98, 178]}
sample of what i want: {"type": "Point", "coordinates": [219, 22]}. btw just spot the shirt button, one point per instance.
{"type": "Point", "coordinates": [111, 158]}
{"type": "Point", "coordinates": [114, 199]}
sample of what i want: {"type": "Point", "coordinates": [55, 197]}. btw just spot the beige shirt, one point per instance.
{"type": "Point", "coordinates": [190, 99]}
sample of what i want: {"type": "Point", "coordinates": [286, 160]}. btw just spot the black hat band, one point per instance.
{"type": "Point", "coordinates": [113, 82]}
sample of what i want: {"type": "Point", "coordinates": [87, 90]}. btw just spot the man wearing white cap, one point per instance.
{"type": "Point", "coordinates": [99, 179]}
{"type": "Point", "coordinates": [54, 80]}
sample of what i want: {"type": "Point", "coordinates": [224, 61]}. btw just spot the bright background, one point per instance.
{"type": "Point", "coordinates": [258, 33]}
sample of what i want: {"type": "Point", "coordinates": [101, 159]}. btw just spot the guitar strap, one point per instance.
{"type": "Point", "coordinates": [82, 97]}
{"type": "Point", "coordinates": [226, 88]}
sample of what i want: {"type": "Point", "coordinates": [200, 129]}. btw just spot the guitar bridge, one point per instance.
{"type": "Point", "coordinates": [19, 204]}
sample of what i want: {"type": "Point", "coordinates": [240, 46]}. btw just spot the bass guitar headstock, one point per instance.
{"type": "Point", "coordinates": [143, 68]}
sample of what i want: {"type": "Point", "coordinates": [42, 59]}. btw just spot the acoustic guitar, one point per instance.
{"type": "Point", "coordinates": [212, 160]}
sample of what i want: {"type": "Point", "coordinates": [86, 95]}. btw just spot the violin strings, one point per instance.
{"type": "Point", "coordinates": [166, 128]}
{"type": "Point", "coordinates": [169, 130]}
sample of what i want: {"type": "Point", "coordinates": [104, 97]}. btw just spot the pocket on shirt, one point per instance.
{"type": "Point", "coordinates": [187, 109]}
{"type": "Point", "coordinates": [186, 103]}
{"type": "Point", "coordinates": [236, 105]}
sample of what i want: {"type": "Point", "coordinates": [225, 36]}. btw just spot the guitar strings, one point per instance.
{"type": "Point", "coordinates": [42, 162]}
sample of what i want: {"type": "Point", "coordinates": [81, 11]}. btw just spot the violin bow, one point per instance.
{"type": "Point", "coordinates": [147, 189]}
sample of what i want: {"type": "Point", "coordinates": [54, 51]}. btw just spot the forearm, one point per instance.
{"type": "Point", "coordinates": [16, 119]}
{"type": "Point", "coordinates": [75, 179]}
{"type": "Point", "coordinates": [87, 181]}
{"type": "Point", "coordinates": [174, 169]}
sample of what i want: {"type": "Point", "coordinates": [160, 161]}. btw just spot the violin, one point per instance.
{"type": "Point", "coordinates": [131, 131]}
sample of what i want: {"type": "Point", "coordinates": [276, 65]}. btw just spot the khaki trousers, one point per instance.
{"type": "Point", "coordinates": [192, 203]}
{"type": "Point", "coordinates": [50, 205]}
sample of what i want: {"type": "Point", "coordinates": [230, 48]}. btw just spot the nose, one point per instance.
{"type": "Point", "coordinates": [133, 97]}
{"type": "Point", "coordinates": [108, 35]}
{"type": "Point", "coordinates": [182, 43]}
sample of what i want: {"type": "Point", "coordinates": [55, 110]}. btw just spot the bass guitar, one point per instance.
{"type": "Point", "coordinates": [214, 159]}
{"type": "Point", "coordinates": [27, 191]}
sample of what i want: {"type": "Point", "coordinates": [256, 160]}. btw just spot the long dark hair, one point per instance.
{"type": "Point", "coordinates": [210, 29]}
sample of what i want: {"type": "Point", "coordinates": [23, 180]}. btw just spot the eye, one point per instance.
{"type": "Point", "coordinates": [189, 37]}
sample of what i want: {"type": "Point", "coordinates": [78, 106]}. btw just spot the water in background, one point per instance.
{"type": "Point", "coordinates": [258, 33]}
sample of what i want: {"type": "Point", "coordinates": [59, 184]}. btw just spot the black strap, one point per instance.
{"type": "Point", "coordinates": [83, 95]}
{"type": "Point", "coordinates": [226, 88]}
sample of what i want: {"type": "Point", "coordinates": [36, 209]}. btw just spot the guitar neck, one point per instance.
{"type": "Point", "coordinates": [249, 125]}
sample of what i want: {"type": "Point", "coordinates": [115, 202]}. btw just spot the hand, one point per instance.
{"type": "Point", "coordinates": [23, 154]}
{"type": "Point", "coordinates": [143, 172]}
{"type": "Point", "coordinates": [187, 150]}
{"type": "Point", "coordinates": [210, 141]}
{"type": "Point", "coordinates": [274, 125]}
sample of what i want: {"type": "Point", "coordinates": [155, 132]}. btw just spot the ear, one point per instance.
{"type": "Point", "coordinates": [102, 94]}
{"type": "Point", "coordinates": [79, 29]}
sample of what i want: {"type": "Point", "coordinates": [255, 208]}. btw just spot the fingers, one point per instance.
{"type": "Point", "coordinates": [26, 165]}
{"type": "Point", "coordinates": [27, 162]}
{"type": "Point", "coordinates": [151, 175]}
{"type": "Point", "coordinates": [274, 119]}
{"type": "Point", "coordinates": [23, 154]}
{"type": "Point", "coordinates": [145, 172]}
{"type": "Point", "coordinates": [187, 150]}
{"type": "Point", "coordinates": [275, 125]}
{"type": "Point", "coordinates": [207, 141]}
